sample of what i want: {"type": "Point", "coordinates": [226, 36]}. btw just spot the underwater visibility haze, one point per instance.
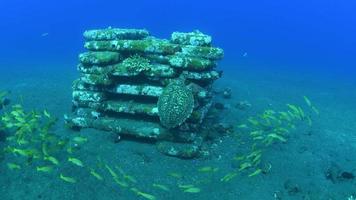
{"type": "Point", "coordinates": [156, 100]}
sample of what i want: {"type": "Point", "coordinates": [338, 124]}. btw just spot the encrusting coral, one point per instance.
{"type": "Point", "coordinates": [140, 74]}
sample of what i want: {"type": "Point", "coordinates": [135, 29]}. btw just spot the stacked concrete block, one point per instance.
{"type": "Point", "coordinates": [125, 71]}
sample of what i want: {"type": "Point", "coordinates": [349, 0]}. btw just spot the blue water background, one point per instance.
{"type": "Point", "coordinates": [276, 52]}
{"type": "Point", "coordinates": [313, 35]}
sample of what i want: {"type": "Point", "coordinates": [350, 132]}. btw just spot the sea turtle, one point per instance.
{"type": "Point", "coordinates": [175, 104]}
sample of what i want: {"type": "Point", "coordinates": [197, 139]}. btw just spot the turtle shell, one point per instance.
{"type": "Point", "coordinates": [175, 104]}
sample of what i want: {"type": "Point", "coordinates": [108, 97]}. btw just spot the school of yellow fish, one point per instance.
{"type": "Point", "coordinates": [33, 140]}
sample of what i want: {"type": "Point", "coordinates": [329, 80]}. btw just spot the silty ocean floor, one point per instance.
{"type": "Point", "coordinates": [299, 166]}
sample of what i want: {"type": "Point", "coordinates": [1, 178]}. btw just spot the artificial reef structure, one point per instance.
{"type": "Point", "coordinates": [140, 86]}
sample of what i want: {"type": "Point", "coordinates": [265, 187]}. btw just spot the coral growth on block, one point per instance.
{"type": "Point", "coordinates": [136, 85]}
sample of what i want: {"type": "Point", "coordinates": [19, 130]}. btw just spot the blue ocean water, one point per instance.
{"type": "Point", "coordinates": [314, 34]}
{"type": "Point", "coordinates": [276, 52]}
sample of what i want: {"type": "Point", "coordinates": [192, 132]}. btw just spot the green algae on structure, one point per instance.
{"type": "Point", "coordinates": [156, 58]}
{"type": "Point", "coordinates": [95, 69]}
{"type": "Point", "coordinates": [161, 71]}
{"type": "Point", "coordinates": [141, 90]}
{"type": "Point", "coordinates": [124, 126]}
{"type": "Point", "coordinates": [195, 38]}
{"type": "Point", "coordinates": [129, 107]}
{"type": "Point", "coordinates": [99, 58]}
{"type": "Point", "coordinates": [180, 60]}
{"type": "Point", "coordinates": [80, 85]}
{"type": "Point", "coordinates": [96, 79]}
{"type": "Point", "coordinates": [129, 86]}
{"type": "Point", "coordinates": [125, 89]}
{"type": "Point", "coordinates": [115, 34]}
{"type": "Point", "coordinates": [133, 107]}
{"type": "Point", "coordinates": [202, 76]}
{"type": "Point", "coordinates": [135, 64]}
{"type": "Point", "coordinates": [212, 53]}
{"type": "Point", "coordinates": [153, 70]}
{"type": "Point", "coordinates": [88, 96]}
{"type": "Point", "coordinates": [121, 106]}
{"type": "Point", "coordinates": [154, 46]}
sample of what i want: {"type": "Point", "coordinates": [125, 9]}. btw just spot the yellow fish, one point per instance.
{"type": "Point", "coordinates": [44, 149]}
{"type": "Point", "coordinates": [120, 170]}
{"type": "Point", "coordinates": [175, 175]}
{"type": "Point", "coordinates": [20, 119]}
{"type": "Point", "coordinates": [9, 125]}
{"type": "Point", "coordinates": [254, 153]}
{"type": "Point", "coordinates": [76, 161]}
{"type": "Point", "coordinates": [192, 190]}
{"type": "Point", "coordinates": [239, 157]}
{"type": "Point", "coordinates": [307, 101]}
{"type": "Point", "coordinates": [79, 139]}
{"type": "Point", "coordinates": [310, 123]}
{"type": "Point", "coordinates": [162, 187]}
{"type": "Point", "coordinates": [301, 113]}
{"type": "Point", "coordinates": [285, 115]}
{"type": "Point", "coordinates": [282, 130]}
{"type": "Point", "coordinates": [120, 183]}
{"type": "Point", "coordinates": [62, 142]}
{"type": "Point", "coordinates": [257, 159]}
{"type": "Point", "coordinates": [52, 159]}
{"type": "Point", "coordinates": [256, 133]}
{"type": "Point", "coordinates": [44, 169]}
{"type": "Point", "coordinates": [315, 110]}
{"type": "Point", "coordinates": [13, 166]}
{"type": "Point", "coordinates": [22, 142]}
{"type": "Point", "coordinates": [258, 138]}
{"type": "Point", "coordinates": [278, 137]}
{"type": "Point", "coordinates": [45, 112]}
{"type": "Point", "coordinates": [70, 150]}
{"type": "Point", "coordinates": [67, 179]}
{"type": "Point", "coordinates": [242, 126]}
{"type": "Point", "coordinates": [293, 108]}
{"type": "Point", "coordinates": [186, 186]}
{"type": "Point", "coordinates": [5, 118]}
{"type": "Point", "coordinates": [16, 113]}
{"type": "Point", "coordinates": [228, 177]}
{"type": "Point", "coordinates": [111, 171]}
{"type": "Point", "coordinates": [22, 152]}
{"type": "Point", "coordinates": [255, 173]}
{"type": "Point", "coordinates": [130, 178]}
{"type": "Point", "coordinates": [96, 175]}
{"type": "Point", "coordinates": [142, 194]}
{"type": "Point", "coordinates": [253, 121]}
{"type": "Point", "coordinates": [208, 169]}
{"type": "Point", "coordinates": [244, 165]}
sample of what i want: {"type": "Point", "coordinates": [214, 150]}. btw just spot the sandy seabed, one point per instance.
{"type": "Point", "coordinates": [298, 167]}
